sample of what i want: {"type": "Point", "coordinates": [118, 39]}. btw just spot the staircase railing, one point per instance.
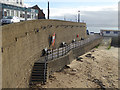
{"type": "Point", "coordinates": [56, 53]}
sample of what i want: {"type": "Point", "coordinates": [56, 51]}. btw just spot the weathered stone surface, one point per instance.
{"type": "Point", "coordinates": [23, 42]}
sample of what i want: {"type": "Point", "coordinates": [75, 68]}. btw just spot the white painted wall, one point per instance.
{"type": "Point", "coordinates": [110, 34]}
{"type": "Point", "coordinates": [13, 2]}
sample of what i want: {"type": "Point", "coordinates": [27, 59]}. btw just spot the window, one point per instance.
{"type": "Point", "coordinates": [12, 12]}
{"type": "Point", "coordinates": [107, 32]}
{"type": "Point", "coordinates": [17, 13]}
{"type": "Point", "coordinates": [28, 16]}
{"type": "Point", "coordinates": [115, 32]}
{"type": "Point", "coordinates": [17, 1]}
{"type": "Point", "coordinates": [32, 15]}
{"type": "Point", "coordinates": [21, 14]}
{"type": "Point", "coordinates": [5, 13]}
{"type": "Point", "coordinates": [36, 16]}
{"type": "Point", "coordinates": [21, 2]}
{"type": "Point", "coordinates": [9, 17]}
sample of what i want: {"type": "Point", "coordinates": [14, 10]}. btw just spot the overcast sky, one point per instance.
{"type": "Point", "coordinates": [93, 12]}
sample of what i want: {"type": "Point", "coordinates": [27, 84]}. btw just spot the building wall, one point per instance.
{"type": "Point", "coordinates": [110, 33]}
{"type": "Point", "coordinates": [13, 2]}
{"type": "Point", "coordinates": [22, 13]}
{"type": "Point", "coordinates": [41, 15]}
{"type": "Point", "coordinates": [22, 44]}
{"type": "Point", "coordinates": [0, 11]}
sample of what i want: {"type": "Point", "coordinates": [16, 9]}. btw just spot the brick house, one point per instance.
{"type": "Point", "coordinates": [41, 15]}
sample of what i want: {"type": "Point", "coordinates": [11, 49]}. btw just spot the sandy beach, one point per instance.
{"type": "Point", "coordinates": [95, 69]}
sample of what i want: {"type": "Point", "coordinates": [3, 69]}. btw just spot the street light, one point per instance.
{"type": "Point", "coordinates": [78, 16]}
{"type": "Point", "coordinates": [48, 9]}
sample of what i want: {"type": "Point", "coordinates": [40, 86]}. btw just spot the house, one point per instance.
{"type": "Point", "coordinates": [19, 3]}
{"type": "Point", "coordinates": [41, 15]}
{"type": "Point", "coordinates": [110, 33]}
{"type": "Point", "coordinates": [16, 8]}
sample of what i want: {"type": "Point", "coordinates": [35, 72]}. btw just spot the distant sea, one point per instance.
{"type": "Point", "coordinates": [97, 29]}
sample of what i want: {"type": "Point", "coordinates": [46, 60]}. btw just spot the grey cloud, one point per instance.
{"type": "Point", "coordinates": [95, 18]}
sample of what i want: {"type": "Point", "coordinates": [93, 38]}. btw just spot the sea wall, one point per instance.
{"type": "Point", "coordinates": [22, 45]}
{"type": "Point", "coordinates": [59, 63]}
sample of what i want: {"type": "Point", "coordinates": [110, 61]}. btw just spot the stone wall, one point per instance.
{"type": "Point", "coordinates": [22, 44]}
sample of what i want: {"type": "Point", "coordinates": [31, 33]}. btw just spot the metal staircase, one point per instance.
{"type": "Point", "coordinates": [39, 73]}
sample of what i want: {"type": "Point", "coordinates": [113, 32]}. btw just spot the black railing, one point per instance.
{"type": "Point", "coordinates": [56, 53]}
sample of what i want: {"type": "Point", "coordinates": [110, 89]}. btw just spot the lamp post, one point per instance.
{"type": "Point", "coordinates": [48, 10]}
{"type": "Point", "coordinates": [78, 16]}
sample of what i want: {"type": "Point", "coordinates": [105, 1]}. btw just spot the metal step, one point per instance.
{"type": "Point", "coordinates": [38, 80]}
{"type": "Point", "coordinates": [39, 64]}
{"type": "Point", "coordinates": [38, 72]}
{"type": "Point", "coordinates": [38, 68]}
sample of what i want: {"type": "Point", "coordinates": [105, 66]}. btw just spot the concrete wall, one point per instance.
{"type": "Point", "coordinates": [106, 41]}
{"type": "Point", "coordinates": [115, 41]}
{"type": "Point", "coordinates": [85, 48]}
{"type": "Point", "coordinates": [22, 44]}
{"type": "Point", "coordinates": [58, 64]}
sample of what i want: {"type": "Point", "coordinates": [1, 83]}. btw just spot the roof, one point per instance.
{"type": "Point", "coordinates": [7, 6]}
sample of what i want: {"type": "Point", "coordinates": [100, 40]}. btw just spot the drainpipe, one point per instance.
{"type": "Point", "coordinates": [25, 15]}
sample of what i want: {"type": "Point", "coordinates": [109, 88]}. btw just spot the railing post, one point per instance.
{"type": "Point", "coordinates": [74, 45]}
{"type": "Point", "coordinates": [52, 54]}
{"type": "Point", "coordinates": [69, 47]}
{"type": "Point", "coordinates": [47, 56]}
{"type": "Point", "coordinates": [65, 49]}
{"type": "Point", "coordinates": [58, 52]}
{"type": "Point", "coordinates": [62, 51]}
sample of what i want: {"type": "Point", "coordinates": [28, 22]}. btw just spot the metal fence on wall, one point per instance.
{"type": "Point", "coordinates": [56, 53]}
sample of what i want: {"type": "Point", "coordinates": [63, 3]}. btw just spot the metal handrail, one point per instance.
{"type": "Point", "coordinates": [64, 50]}
{"type": "Point", "coordinates": [56, 53]}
